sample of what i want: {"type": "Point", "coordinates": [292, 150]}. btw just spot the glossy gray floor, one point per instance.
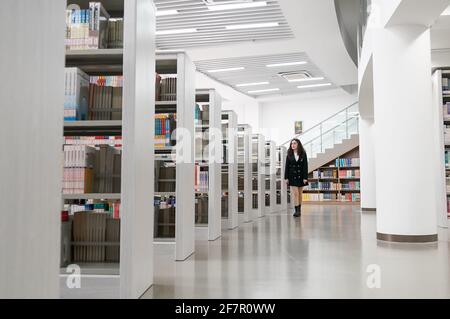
{"type": "Point", "coordinates": [331, 252]}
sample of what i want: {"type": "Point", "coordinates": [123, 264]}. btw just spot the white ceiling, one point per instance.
{"type": "Point", "coordinates": [211, 25]}
{"type": "Point", "coordinates": [256, 71]}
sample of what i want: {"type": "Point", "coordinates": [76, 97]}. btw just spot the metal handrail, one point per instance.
{"type": "Point", "coordinates": [319, 124]}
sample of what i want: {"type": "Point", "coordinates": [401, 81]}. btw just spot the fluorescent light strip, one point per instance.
{"type": "Point", "coordinates": [226, 70]}
{"type": "Point", "coordinates": [235, 6]}
{"type": "Point", "coordinates": [176, 31]}
{"type": "Point", "coordinates": [313, 85]}
{"type": "Point", "coordinates": [286, 64]}
{"type": "Point", "coordinates": [262, 91]}
{"type": "Point", "coordinates": [252, 26]}
{"type": "Point", "coordinates": [251, 84]}
{"type": "Point", "coordinates": [162, 13]}
{"type": "Point", "coordinates": [307, 79]}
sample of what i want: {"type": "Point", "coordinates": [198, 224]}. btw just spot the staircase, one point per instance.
{"type": "Point", "coordinates": [331, 138]}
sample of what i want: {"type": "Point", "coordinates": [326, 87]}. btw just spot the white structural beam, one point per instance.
{"type": "Point", "coordinates": [137, 218]}
{"type": "Point", "coordinates": [31, 136]}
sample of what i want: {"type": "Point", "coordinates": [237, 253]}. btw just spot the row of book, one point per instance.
{"type": "Point", "coordinates": [76, 95]}
{"type": "Point", "coordinates": [95, 206]}
{"type": "Point", "coordinates": [201, 182]}
{"type": "Point", "coordinates": [323, 186]}
{"type": "Point", "coordinates": [115, 141]}
{"type": "Point", "coordinates": [96, 237]}
{"type": "Point", "coordinates": [446, 109]}
{"type": "Point", "coordinates": [164, 226]}
{"type": "Point", "coordinates": [349, 197]}
{"type": "Point", "coordinates": [166, 88]}
{"type": "Point", "coordinates": [91, 170]}
{"type": "Point", "coordinates": [165, 125]}
{"type": "Point", "coordinates": [347, 162]}
{"type": "Point", "coordinates": [445, 85]}
{"type": "Point", "coordinates": [354, 173]}
{"type": "Point", "coordinates": [164, 202]}
{"type": "Point", "coordinates": [325, 174]}
{"type": "Point", "coordinates": [201, 114]}
{"type": "Point", "coordinates": [319, 197]}
{"type": "Point", "coordinates": [351, 186]}
{"type": "Point", "coordinates": [447, 158]}
{"type": "Point", "coordinates": [201, 209]}
{"type": "Point", "coordinates": [92, 28]}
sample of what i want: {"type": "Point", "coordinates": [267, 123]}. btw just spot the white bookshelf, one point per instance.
{"type": "Point", "coordinates": [135, 61]}
{"type": "Point", "coordinates": [258, 176]}
{"type": "Point", "coordinates": [230, 218]}
{"type": "Point", "coordinates": [244, 135]}
{"type": "Point", "coordinates": [441, 114]}
{"type": "Point", "coordinates": [179, 228]}
{"type": "Point", "coordinates": [281, 184]}
{"type": "Point", "coordinates": [270, 177]}
{"type": "Point", "coordinates": [208, 158]}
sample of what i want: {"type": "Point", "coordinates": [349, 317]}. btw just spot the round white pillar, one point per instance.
{"type": "Point", "coordinates": [405, 187]}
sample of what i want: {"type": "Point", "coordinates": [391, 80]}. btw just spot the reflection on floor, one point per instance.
{"type": "Point", "coordinates": [331, 252]}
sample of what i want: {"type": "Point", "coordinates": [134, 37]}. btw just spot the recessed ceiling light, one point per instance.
{"type": "Point", "coordinates": [235, 6]}
{"type": "Point", "coordinates": [161, 13]}
{"type": "Point", "coordinates": [307, 79]}
{"type": "Point", "coordinates": [286, 64]}
{"type": "Point", "coordinates": [262, 91]}
{"type": "Point", "coordinates": [226, 70]}
{"type": "Point", "coordinates": [175, 31]}
{"type": "Point", "coordinates": [252, 84]}
{"type": "Point", "coordinates": [252, 25]}
{"type": "Point", "coordinates": [313, 85]}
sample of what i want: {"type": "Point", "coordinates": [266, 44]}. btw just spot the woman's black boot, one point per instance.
{"type": "Point", "coordinates": [297, 211]}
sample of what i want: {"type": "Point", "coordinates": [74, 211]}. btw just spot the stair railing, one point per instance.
{"type": "Point", "coordinates": [341, 125]}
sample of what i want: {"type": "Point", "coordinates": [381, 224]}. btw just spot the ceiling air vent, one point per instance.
{"type": "Point", "coordinates": [295, 76]}
{"type": "Point", "coordinates": [216, 2]}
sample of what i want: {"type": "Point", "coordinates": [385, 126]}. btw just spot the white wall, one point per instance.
{"type": "Point", "coordinates": [246, 107]}
{"type": "Point", "coordinates": [279, 114]}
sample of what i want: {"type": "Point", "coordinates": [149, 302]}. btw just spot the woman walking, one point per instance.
{"type": "Point", "coordinates": [296, 173]}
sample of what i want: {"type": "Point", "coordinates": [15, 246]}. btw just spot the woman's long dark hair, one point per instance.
{"type": "Point", "coordinates": [300, 149]}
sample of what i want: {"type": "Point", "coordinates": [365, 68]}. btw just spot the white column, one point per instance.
{"type": "Point", "coordinates": [406, 204]}
{"type": "Point", "coordinates": [31, 138]}
{"type": "Point", "coordinates": [136, 249]}
{"type": "Point", "coordinates": [367, 164]}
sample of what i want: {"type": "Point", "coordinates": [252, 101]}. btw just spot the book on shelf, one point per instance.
{"type": "Point", "coordinates": [355, 173]}
{"type": "Point", "coordinates": [201, 209]}
{"type": "Point", "coordinates": [165, 125]}
{"type": "Point", "coordinates": [347, 162]}
{"type": "Point", "coordinates": [446, 110]}
{"type": "Point", "coordinates": [76, 94]}
{"type": "Point", "coordinates": [350, 197]}
{"type": "Point", "coordinates": [91, 169]}
{"type": "Point", "coordinates": [87, 28]}
{"type": "Point", "coordinates": [115, 33]}
{"type": "Point", "coordinates": [311, 197]}
{"type": "Point", "coordinates": [351, 186]}
{"type": "Point", "coordinates": [201, 182]}
{"type": "Point", "coordinates": [105, 97]}
{"type": "Point", "coordinates": [166, 86]}
{"type": "Point", "coordinates": [445, 85]}
{"type": "Point", "coordinates": [95, 206]}
{"type": "Point", "coordinates": [115, 141]}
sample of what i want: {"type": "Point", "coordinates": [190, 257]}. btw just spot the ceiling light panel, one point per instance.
{"type": "Point", "coordinates": [218, 23]}
{"type": "Point", "coordinates": [256, 76]}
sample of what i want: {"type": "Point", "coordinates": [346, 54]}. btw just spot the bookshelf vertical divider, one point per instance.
{"type": "Point", "coordinates": [245, 172]}
{"type": "Point", "coordinates": [136, 249]}
{"type": "Point", "coordinates": [230, 169]}
{"type": "Point", "coordinates": [178, 62]}
{"type": "Point", "coordinates": [213, 153]}
{"type": "Point", "coordinates": [258, 146]}
{"type": "Point", "coordinates": [281, 162]}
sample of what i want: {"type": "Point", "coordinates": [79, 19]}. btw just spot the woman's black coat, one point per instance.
{"type": "Point", "coordinates": [296, 171]}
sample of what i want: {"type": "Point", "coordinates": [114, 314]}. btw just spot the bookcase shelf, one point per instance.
{"type": "Point", "coordinates": [229, 170]}
{"type": "Point", "coordinates": [281, 153]}
{"type": "Point", "coordinates": [93, 128]}
{"type": "Point", "coordinates": [175, 102]}
{"type": "Point", "coordinates": [344, 170]}
{"type": "Point", "coordinates": [270, 177]}
{"type": "Point", "coordinates": [91, 196]}
{"type": "Point", "coordinates": [244, 136]}
{"type": "Point", "coordinates": [208, 115]}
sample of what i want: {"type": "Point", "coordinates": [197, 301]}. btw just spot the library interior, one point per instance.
{"type": "Point", "coordinates": [225, 149]}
